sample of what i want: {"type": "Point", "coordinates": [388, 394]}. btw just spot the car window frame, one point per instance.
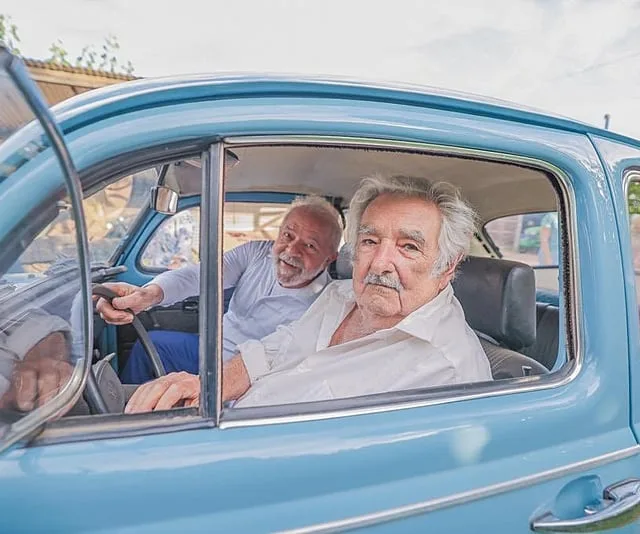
{"type": "Point", "coordinates": [212, 415]}
{"type": "Point", "coordinates": [392, 401]}
{"type": "Point", "coordinates": [85, 428]}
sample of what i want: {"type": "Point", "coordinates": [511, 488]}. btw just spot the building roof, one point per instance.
{"type": "Point", "coordinates": [57, 83]}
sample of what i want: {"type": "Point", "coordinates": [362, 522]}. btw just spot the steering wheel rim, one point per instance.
{"type": "Point", "coordinates": [93, 394]}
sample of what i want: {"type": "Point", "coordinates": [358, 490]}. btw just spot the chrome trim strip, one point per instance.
{"type": "Point", "coordinates": [572, 294]}
{"type": "Point", "coordinates": [432, 505]}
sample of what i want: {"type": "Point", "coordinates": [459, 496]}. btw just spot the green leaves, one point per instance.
{"type": "Point", "coordinates": [633, 198]}
{"type": "Point", "coordinates": [9, 34]}
{"type": "Point", "coordinates": [105, 59]}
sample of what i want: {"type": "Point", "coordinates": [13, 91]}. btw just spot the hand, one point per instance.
{"type": "Point", "coordinates": [165, 393]}
{"type": "Point", "coordinates": [43, 372]}
{"type": "Point", "coordinates": [131, 297]}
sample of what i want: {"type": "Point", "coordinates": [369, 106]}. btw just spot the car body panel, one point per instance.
{"type": "Point", "coordinates": [470, 465]}
{"type": "Point", "coordinates": [618, 159]}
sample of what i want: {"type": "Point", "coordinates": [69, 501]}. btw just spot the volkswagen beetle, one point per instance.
{"type": "Point", "coordinates": [123, 182]}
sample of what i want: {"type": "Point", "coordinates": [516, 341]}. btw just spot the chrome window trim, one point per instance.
{"type": "Point", "coordinates": [432, 505]}
{"type": "Point", "coordinates": [572, 303]}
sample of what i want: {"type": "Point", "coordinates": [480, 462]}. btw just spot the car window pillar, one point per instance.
{"type": "Point", "coordinates": [211, 294]}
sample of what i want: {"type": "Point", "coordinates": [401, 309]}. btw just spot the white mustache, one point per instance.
{"type": "Point", "coordinates": [291, 260]}
{"type": "Point", "coordinates": [384, 280]}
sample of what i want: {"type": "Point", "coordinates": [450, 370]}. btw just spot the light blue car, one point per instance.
{"type": "Point", "coordinates": [124, 182]}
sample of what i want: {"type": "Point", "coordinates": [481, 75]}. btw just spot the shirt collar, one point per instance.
{"type": "Point", "coordinates": [422, 323]}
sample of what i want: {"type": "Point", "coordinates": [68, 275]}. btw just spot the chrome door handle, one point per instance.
{"type": "Point", "coordinates": [620, 506]}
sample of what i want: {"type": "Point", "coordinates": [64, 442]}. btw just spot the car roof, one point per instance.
{"type": "Point", "coordinates": [124, 97]}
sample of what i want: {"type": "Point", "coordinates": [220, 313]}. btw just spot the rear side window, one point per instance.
{"type": "Point", "coordinates": [532, 238]}
{"type": "Point", "coordinates": [177, 241]}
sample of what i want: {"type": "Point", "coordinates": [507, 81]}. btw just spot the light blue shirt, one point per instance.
{"type": "Point", "coordinates": [259, 303]}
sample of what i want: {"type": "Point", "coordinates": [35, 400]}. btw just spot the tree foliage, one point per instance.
{"type": "Point", "coordinates": [9, 34]}
{"type": "Point", "coordinates": [634, 198]}
{"type": "Point", "coordinates": [104, 58]}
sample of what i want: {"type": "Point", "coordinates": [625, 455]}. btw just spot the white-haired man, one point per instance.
{"type": "Point", "coordinates": [275, 282]}
{"type": "Point", "coordinates": [396, 326]}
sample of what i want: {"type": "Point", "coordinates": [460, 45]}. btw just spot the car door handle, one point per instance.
{"type": "Point", "coordinates": [620, 505]}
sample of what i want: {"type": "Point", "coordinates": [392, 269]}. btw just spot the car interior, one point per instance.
{"type": "Point", "coordinates": [518, 333]}
{"type": "Point", "coordinates": [518, 329]}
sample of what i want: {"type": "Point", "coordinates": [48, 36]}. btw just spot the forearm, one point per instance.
{"type": "Point", "coordinates": [177, 285]}
{"type": "Point", "coordinates": [235, 379]}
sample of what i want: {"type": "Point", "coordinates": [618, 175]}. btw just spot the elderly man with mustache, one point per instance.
{"type": "Point", "coordinates": [275, 282]}
{"type": "Point", "coordinates": [396, 326]}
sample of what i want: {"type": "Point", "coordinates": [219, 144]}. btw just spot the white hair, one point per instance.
{"type": "Point", "coordinates": [321, 206]}
{"type": "Point", "coordinates": [458, 219]}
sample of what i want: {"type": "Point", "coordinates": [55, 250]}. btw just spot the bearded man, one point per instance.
{"type": "Point", "coordinates": [274, 283]}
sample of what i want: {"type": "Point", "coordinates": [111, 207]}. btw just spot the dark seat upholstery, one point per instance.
{"type": "Point", "coordinates": [498, 298]}
{"type": "Point", "coordinates": [545, 347]}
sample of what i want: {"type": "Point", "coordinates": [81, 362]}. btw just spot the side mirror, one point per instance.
{"type": "Point", "coordinates": [164, 199]}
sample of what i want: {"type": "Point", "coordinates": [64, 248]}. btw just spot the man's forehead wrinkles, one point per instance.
{"type": "Point", "coordinates": [309, 233]}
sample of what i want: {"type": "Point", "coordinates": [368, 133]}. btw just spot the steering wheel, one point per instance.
{"type": "Point", "coordinates": [104, 392]}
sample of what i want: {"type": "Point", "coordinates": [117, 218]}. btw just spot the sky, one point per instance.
{"type": "Point", "coordinates": [577, 58]}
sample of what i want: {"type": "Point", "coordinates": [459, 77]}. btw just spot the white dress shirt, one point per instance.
{"type": "Point", "coordinates": [259, 303]}
{"type": "Point", "coordinates": [431, 347]}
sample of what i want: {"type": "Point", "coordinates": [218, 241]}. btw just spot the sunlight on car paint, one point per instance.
{"type": "Point", "coordinates": [468, 443]}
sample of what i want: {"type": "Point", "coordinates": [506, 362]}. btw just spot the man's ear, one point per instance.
{"type": "Point", "coordinates": [447, 276]}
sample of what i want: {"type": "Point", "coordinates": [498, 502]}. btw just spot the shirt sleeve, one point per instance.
{"type": "Point", "coordinates": [261, 356]}
{"type": "Point", "coordinates": [181, 283]}
{"type": "Point", "coordinates": [178, 284]}
{"type": "Point", "coordinates": [236, 261]}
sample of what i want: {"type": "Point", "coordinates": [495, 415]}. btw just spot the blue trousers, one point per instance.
{"type": "Point", "coordinates": [178, 352]}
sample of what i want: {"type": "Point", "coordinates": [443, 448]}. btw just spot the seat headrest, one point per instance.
{"type": "Point", "coordinates": [344, 267]}
{"type": "Point", "coordinates": [499, 299]}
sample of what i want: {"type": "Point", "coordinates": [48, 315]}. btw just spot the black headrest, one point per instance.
{"type": "Point", "coordinates": [499, 299]}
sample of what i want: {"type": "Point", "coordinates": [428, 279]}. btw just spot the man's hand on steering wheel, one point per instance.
{"type": "Point", "coordinates": [131, 298]}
